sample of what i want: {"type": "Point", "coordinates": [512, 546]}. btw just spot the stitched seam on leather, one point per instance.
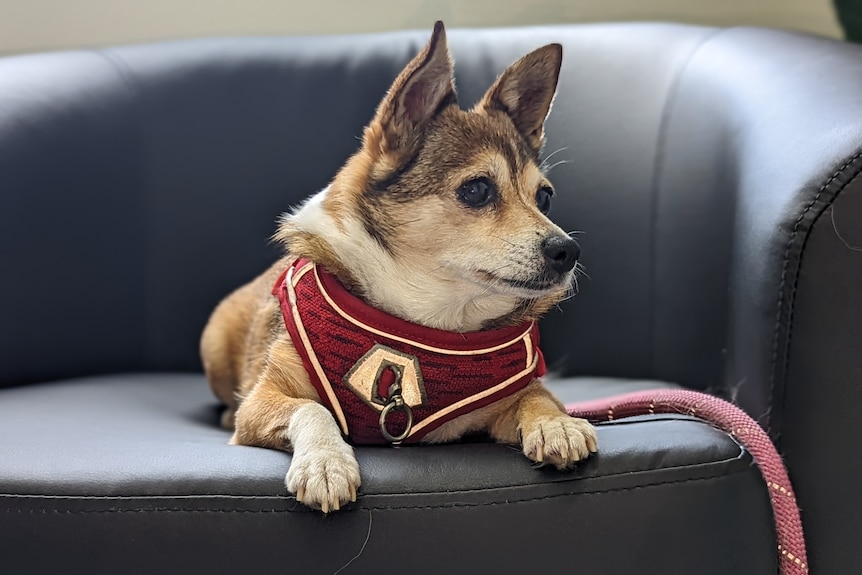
{"type": "Point", "coordinates": [658, 161]}
{"type": "Point", "coordinates": [702, 467]}
{"type": "Point", "coordinates": [787, 298]}
{"type": "Point", "coordinates": [693, 466]}
{"type": "Point", "coordinates": [454, 505]}
{"type": "Point", "coordinates": [466, 491]}
{"type": "Point", "coordinates": [798, 273]}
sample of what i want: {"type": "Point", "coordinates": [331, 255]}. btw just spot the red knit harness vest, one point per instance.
{"type": "Point", "coordinates": [387, 380]}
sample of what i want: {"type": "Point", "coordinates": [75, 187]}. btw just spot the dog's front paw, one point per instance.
{"type": "Point", "coordinates": [558, 440]}
{"type": "Point", "coordinates": [324, 478]}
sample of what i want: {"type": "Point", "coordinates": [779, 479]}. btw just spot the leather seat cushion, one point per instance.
{"type": "Point", "coordinates": [139, 462]}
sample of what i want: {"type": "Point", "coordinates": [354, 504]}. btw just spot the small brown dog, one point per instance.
{"type": "Point", "coordinates": [411, 284]}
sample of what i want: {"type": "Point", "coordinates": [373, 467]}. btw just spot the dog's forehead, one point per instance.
{"type": "Point", "coordinates": [469, 136]}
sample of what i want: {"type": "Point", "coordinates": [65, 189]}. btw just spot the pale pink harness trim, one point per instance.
{"type": "Point", "coordinates": [793, 559]}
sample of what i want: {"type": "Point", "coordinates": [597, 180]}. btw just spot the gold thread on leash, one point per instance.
{"type": "Point", "coordinates": [777, 487]}
{"type": "Point", "coordinates": [792, 557]}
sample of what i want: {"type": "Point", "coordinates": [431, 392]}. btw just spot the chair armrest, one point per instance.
{"type": "Point", "coordinates": [787, 112]}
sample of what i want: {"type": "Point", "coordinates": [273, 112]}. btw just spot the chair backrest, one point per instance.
{"type": "Point", "coordinates": [139, 185]}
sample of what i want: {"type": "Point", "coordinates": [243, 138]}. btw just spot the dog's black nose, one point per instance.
{"type": "Point", "coordinates": [560, 253]}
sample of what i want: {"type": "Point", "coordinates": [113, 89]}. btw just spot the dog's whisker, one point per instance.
{"type": "Point", "coordinates": [506, 241]}
{"type": "Point", "coordinates": [495, 270]}
{"type": "Point", "coordinates": [551, 155]}
{"type": "Point", "coordinates": [555, 164]}
{"type": "Point", "coordinates": [571, 292]}
{"type": "Point", "coordinates": [488, 288]}
{"type": "Point", "coordinates": [408, 222]}
{"type": "Point", "coordinates": [581, 270]}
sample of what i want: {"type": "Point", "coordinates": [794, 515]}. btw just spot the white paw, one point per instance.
{"type": "Point", "coordinates": [559, 440]}
{"type": "Point", "coordinates": [325, 478]}
{"type": "Point", "coordinates": [324, 473]}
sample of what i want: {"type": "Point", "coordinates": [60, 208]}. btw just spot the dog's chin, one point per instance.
{"type": "Point", "coordinates": [524, 288]}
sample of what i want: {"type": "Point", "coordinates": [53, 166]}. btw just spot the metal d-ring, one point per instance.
{"type": "Point", "coordinates": [396, 402]}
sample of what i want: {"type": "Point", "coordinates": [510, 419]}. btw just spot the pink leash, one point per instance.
{"type": "Point", "coordinates": [730, 419]}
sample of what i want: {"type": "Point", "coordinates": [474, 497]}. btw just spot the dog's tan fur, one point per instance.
{"type": "Point", "coordinates": [391, 228]}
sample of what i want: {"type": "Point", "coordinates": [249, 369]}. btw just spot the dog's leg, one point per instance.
{"type": "Point", "coordinates": [546, 432]}
{"type": "Point", "coordinates": [324, 473]}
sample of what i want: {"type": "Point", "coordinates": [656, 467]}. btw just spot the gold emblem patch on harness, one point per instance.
{"type": "Point", "coordinates": [380, 368]}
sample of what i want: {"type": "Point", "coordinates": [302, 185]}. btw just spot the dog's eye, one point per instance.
{"type": "Point", "coordinates": [543, 199]}
{"type": "Point", "coordinates": [476, 193]}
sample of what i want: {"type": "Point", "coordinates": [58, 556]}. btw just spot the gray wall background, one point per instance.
{"type": "Point", "coordinates": [37, 25]}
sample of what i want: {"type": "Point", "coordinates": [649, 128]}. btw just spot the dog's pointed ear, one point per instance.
{"type": "Point", "coordinates": [422, 89]}
{"type": "Point", "coordinates": [525, 92]}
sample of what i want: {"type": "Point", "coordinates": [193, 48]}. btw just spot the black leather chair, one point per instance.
{"type": "Point", "coordinates": [715, 173]}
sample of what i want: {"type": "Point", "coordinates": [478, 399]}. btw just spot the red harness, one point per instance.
{"type": "Point", "coordinates": [388, 380]}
